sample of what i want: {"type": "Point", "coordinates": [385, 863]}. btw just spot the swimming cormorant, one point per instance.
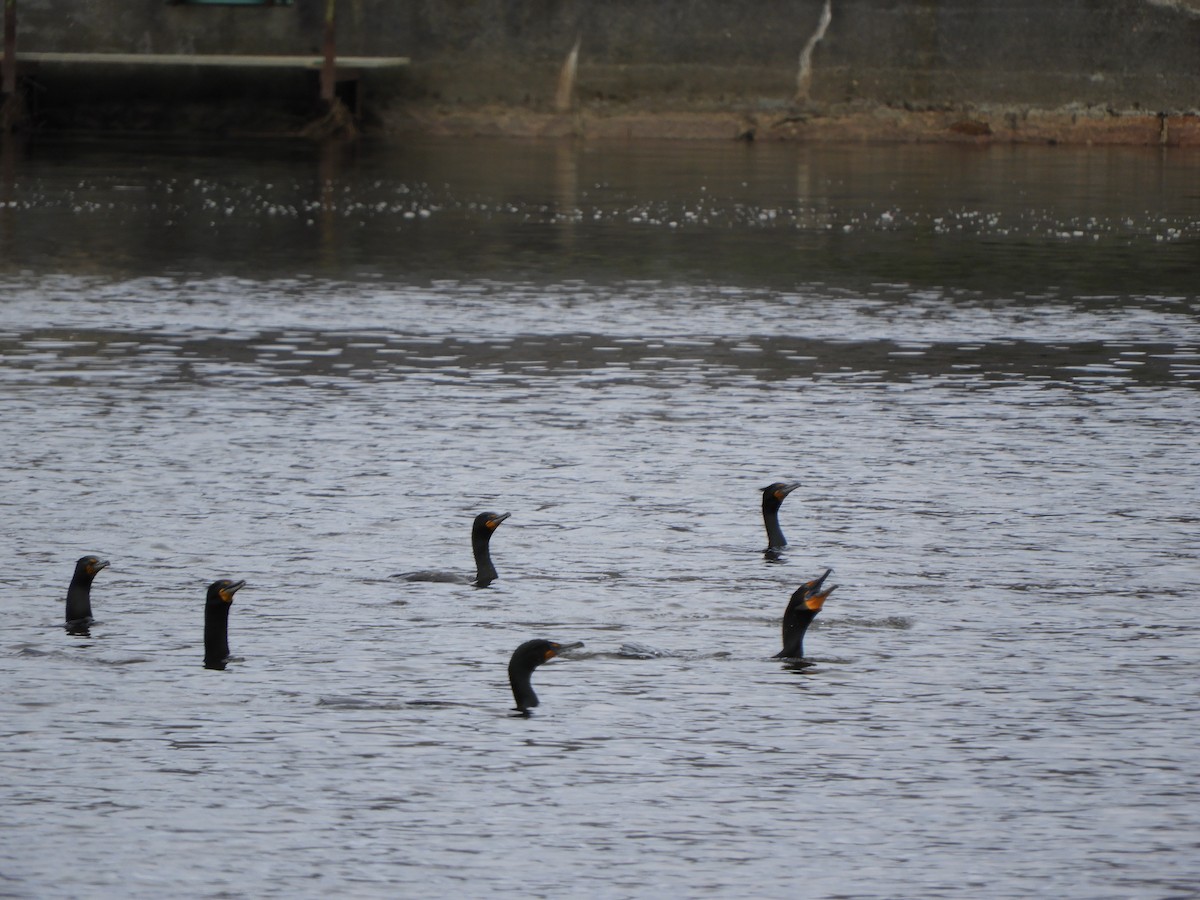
{"type": "Point", "coordinates": [481, 537]}
{"type": "Point", "coordinates": [216, 622]}
{"type": "Point", "coordinates": [773, 497]}
{"type": "Point", "coordinates": [806, 602]}
{"type": "Point", "coordinates": [525, 659]}
{"type": "Point", "coordinates": [79, 594]}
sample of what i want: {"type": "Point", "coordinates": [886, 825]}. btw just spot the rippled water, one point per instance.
{"type": "Point", "coordinates": [311, 372]}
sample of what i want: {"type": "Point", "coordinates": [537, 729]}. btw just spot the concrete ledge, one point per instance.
{"type": "Point", "coordinates": [219, 60]}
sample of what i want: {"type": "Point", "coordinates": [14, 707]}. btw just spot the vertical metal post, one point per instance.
{"type": "Point", "coordinates": [8, 78]}
{"type": "Point", "coordinates": [328, 71]}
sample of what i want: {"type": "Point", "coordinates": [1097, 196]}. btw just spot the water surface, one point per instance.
{"type": "Point", "coordinates": [311, 369]}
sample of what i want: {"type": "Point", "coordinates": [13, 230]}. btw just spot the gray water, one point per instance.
{"type": "Point", "coordinates": [310, 370]}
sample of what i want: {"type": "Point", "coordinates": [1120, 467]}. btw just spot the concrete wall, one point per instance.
{"type": "Point", "coordinates": [700, 54]}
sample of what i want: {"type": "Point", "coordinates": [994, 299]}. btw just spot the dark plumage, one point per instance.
{"type": "Point", "coordinates": [216, 622]}
{"type": "Point", "coordinates": [525, 659]}
{"type": "Point", "coordinates": [773, 497]}
{"type": "Point", "coordinates": [806, 602]}
{"type": "Point", "coordinates": [481, 538]}
{"type": "Point", "coordinates": [79, 594]}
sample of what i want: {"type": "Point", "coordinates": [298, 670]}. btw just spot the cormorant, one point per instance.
{"type": "Point", "coordinates": [79, 594]}
{"type": "Point", "coordinates": [806, 602]}
{"type": "Point", "coordinates": [773, 497]}
{"type": "Point", "coordinates": [525, 659]}
{"type": "Point", "coordinates": [481, 537]}
{"type": "Point", "coordinates": [216, 622]}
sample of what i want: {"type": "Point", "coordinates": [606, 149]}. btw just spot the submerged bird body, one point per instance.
{"type": "Point", "coordinates": [216, 622]}
{"type": "Point", "coordinates": [79, 594]}
{"type": "Point", "coordinates": [525, 659]}
{"type": "Point", "coordinates": [803, 607]}
{"type": "Point", "coordinates": [773, 497]}
{"type": "Point", "coordinates": [482, 529]}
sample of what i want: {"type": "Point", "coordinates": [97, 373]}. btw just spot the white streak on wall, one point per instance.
{"type": "Point", "coordinates": [566, 80]}
{"type": "Point", "coordinates": [804, 77]}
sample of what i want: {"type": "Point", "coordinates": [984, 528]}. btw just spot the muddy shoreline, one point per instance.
{"type": "Point", "coordinates": [976, 125]}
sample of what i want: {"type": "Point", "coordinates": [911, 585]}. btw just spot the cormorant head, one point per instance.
{"type": "Point", "coordinates": [222, 591]}
{"type": "Point", "coordinates": [532, 654]}
{"type": "Point", "coordinates": [88, 566]}
{"type": "Point", "coordinates": [544, 651]}
{"type": "Point", "coordinates": [811, 587]}
{"type": "Point", "coordinates": [487, 522]}
{"type": "Point", "coordinates": [773, 494]}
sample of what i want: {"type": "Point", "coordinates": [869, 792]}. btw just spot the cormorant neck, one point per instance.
{"type": "Point", "coordinates": [216, 634]}
{"type": "Point", "coordinates": [796, 619]}
{"type": "Point", "coordinates": [775, 538]}
{"type": "Point", "coordinates": [523, 690]}
{"type": "Point", "coordinates": [793, 643]}
{"type": "Point", "coordinates": [485, 572]}
{"type": "Point", "coordinates": [79, 599]}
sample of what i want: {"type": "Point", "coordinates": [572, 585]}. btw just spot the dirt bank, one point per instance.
{"type": "Point", "coordinates": [1069, 125]}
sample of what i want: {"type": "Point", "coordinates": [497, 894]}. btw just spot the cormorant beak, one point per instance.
{"type": "Point", "coordinates": [815, 585]}
{"type": "Point", "coordinates": [559, 648]}
{"type": "Point", "coordinates": [228, 592]}
{"type": "Point", "coordinates": [97, 566]}
{"type": "Point", "coordinates": [494, 521]}
{"type": "Point", "coordinates": [816, 601]}
{"type": "Point", "coordinates": [782, 490]}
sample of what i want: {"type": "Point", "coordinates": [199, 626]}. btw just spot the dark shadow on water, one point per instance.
{"type": "Point", "coordinates": [79, 627]}
{"type": "Point", "coordinates": [798, 666]}
{"type": "Point", "coordinates": [358, 703]}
